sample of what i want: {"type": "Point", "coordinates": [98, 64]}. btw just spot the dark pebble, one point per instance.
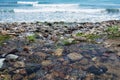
{"type": "Point", "coordinates": [32, 69]}
{"type": "Point", "coordinates": [97, 70]}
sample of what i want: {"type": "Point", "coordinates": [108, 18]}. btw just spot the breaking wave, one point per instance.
{"type": "Point", "coordinates": [112, 10]}
{"type": "Point", "coordinates": [27, 2]}
{"type": "Point", "coordinates": [60, 10]}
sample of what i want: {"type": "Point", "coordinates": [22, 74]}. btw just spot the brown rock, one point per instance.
{"type": "Point", "coordinates": [74, 56]}
{"type": "Point", "coordinates": [89, 77]}
{"type": "Point", "coordinates": [17, 77]}
{"type": "Point", "coordinates": [49, 77]}
{"type": "Point", "coordinates": [26, 48]}
{"type": "Point", "coordinates": [4, 32]}
{"type": "Point", "coordinates": [40, 54]}
{"type": "Point", "coordinates": [58, 74]}
{"type": "Point", "coordinates": [19, 64]}
{"type": "Point", "coordinates": [54, 38]}
{"type": "Point", "coordinates": [22, 30]}
{"type": "Point", "coordinates": [32, 76]}
{"type": "Point", "coordinates": [21, 71]}
{"type": "Point", "coordinates": [5, 77]}
{"type": "Point", "coordinates": [118, 53]}
{"type": "Point", "coordinates": [84, 61]}
{"type": "Point", "coordinates": [46, 62]}
{"type": "Point", "coordinates": [61, 59]}
{"type": "Point", "coordinates": [65, 62]}
{"type": "Point", "coordinates": [73, 78]}
{"type": "Point", "coordinates": [79, 38]}
{"type": "Point", "coordinates": [67, 77]}
{"type": "Point", "coordinates": [58, 52]}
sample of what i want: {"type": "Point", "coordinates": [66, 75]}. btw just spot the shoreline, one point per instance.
{"type": "Point", "coordinates": [61, 22]}
{"type": "Point", "coordinates": [60, 50]}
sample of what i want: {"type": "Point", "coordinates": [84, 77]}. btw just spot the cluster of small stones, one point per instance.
{"type": "Point", "coordinates": [47, 57]}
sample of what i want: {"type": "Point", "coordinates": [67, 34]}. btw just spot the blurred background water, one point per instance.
{"type": "Point", "coordinates": [59, 10]}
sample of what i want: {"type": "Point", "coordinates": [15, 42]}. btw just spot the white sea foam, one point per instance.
{"type": "Point", "coordinates": [60, 10]}
{"type": "Point", "coordinates": [27, 2]}
{"type": "Point", "coordinates": [56, 5]}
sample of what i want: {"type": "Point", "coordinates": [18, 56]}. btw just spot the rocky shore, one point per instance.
{"type": "Point", "coordinates": [60, 51]}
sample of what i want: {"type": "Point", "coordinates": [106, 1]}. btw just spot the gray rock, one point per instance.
{"type": "Point", "coordinates": [11, 56]}
{"type": "Point", "coordinates": [97, 70]}
{"type": "Point", "coordinates": [1, 62]}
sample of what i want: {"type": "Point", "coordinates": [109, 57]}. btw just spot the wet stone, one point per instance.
{"type": "Point", "coordinates": [41, 54]}
{"type": "Point", "coordinates": [118, 53]}
{"type": "Point", "coordinates": [1, 62]}
{"type": "Point", "coordinates": [21, 71]}
{"type": "Point", "coordinates": [11, 56]}
{"type": "Point", "coordinates": [22, 60]}
{"type": "Point", "coordinates": [84, 61]}
{"type": "Point", "coordinates": [46, 62]}
{"type": "Point", "coordinates": [74, 56]}
{"type": "Point", "coordinates": [97, 70]}
{"type": "Point", "coordinates": [58, 52]}
{"type": "Point", "coordinates": [113, 57]}
{"type": "Point", "coordinates": [32, 68]}
{"type": "Point", "coordinates": [17, 77]}
{"type": "Point", "coordinates": [18, 64]}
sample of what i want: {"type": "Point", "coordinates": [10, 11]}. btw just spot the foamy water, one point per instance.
{"type": "Point", "coordinates": [27, 2]}
{"type": "Point", "coordinates": [58, 11]}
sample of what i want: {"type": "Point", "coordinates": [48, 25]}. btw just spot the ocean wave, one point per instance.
{"type": "Point", "coordinates": [59, 10]}
{"type": "Point", "coordinates": [27, 2]}
{"type": "Point", "coordinates": [15, 5]}
{"type": "Point", "coordinates": [100, 4]}
{"type": "Point", "coordinates": [7, 11]}
{"type": "Point", "coordinates": [112, 10]}
{"type": "Point", "coordinates": [55, 5]}
{"type": "Point", "coordinates": [88, 11]}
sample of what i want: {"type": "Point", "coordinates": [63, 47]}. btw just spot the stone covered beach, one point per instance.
{"type": "Point", "coordinates": [60, 51]}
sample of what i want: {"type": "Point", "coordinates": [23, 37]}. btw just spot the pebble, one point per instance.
{"type": "Point", "coordinates": [113, 57]}
{"type": "Point", "coordinates": [4, 32]}
{"type": "Point", "coordinates": [41, 54]}
{"type": "Point", "coordinates": [20, 71]}
{"type": "Point", "coordinates": [11, 56]}
{"type": "Point", "coordinates": [79, 38]}
{"type": "Point", "coordinates": [97, 70]}
{"type": "Point", "coordinates": [19, 64]}
{"type": "Point", "coordinates": [58, 52]}
{"type": "Point", "coordinates": [89, 77]}
{"type": "Point", "coordinates": [84, 61]}
{"type": "Point", "coordinates": [46, 62]}
{"type": "Point", "coordinates": [94, 58]}
{"type": "Point", "coordinates": [32, 68]}
{"type": "Point", "coordinates": [74, 56]}
{"type": "Point", "coordinates": [1, 62]}
{"type": "Point", "coordinates": [118, 53]}
{"type": "Point", "coordinates": [64, 66]}
{"type": "Point", "coordinates": [17, 77]}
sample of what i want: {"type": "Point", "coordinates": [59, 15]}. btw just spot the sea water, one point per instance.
{"type": "Point", "coordinates": [59, 10]}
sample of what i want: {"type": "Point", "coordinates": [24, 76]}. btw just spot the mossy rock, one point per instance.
{"type": "Point", "coordinates": [4, 38]}
{"type": "Point", "coordinates": [31, 38]}
{"type": "Point", "coordinates": [69, 41]}
{"type": "Point", "coordinates": [87, 37]}
{"type": "Point", "coordinates": [113, 32]}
